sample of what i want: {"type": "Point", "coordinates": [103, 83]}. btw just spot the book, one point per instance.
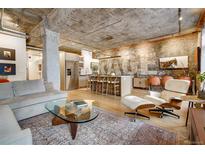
{"type": "Point", "coordinates": [80, 103]}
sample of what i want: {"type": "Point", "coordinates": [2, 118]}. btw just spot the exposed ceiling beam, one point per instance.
{"type": "Point", "coordinates": [39, 12]}
{"type": "Point", "coordinates": [61, 48]}
{"type": "Point", "coordinates": [83, 44]}
{"type": "Point", "coordinates": [201, 20]}
{"type": "Point", "coordinates": [2, 28]}
{"type": "Point", "coordinates": [186, 32]}
{"type": "Point", "coordinates": [69, 50]}
{"type": "Point", "coordinates": [109, 57]}
{"type": "Point", "coordinates": [33, 48]}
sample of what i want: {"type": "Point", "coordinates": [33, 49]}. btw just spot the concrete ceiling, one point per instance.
{"type": "Point", "coordinates": [101, 29]}
{"type": "Point", "coordinates": [23, 19]}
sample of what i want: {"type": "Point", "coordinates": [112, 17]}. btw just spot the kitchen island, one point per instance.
{"type": "Point", "coordinates": [112, 85]}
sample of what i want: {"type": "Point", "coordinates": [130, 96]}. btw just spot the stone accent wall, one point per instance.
{"type": "Point", "coordinates": [144, 57]}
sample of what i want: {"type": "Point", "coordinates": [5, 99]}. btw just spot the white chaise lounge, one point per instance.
{"type": "Point", "coordinates": [136, 103]}
{"type": "Point", "coordinates": [174, 89]}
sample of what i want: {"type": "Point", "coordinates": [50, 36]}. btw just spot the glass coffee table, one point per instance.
{"type": "Point", "coordinates": [71, 112]}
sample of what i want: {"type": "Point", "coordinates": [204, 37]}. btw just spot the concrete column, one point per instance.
{"type": "Point", "coordinates": [51, 60]}
{"type": "Point", "coordinates": [203, 50]}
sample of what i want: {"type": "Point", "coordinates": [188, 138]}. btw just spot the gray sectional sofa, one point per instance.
{"type": "Point", "coordinates": [10, 131]}
{"type": "Point", "coordinates": [27, 98]}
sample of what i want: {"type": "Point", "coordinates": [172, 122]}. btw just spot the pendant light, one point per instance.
{"type": "Point", "coordinates": [179, 19]}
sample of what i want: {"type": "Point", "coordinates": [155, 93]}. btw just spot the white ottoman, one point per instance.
{"type": "Point", "coordinates": [136, 103]}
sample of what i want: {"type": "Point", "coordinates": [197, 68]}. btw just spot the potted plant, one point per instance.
{"type": "Point", "coordinates": [201, 93]}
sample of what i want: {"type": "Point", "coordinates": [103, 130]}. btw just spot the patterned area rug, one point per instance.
{"type": "Point", "coordinates": [107, 128]}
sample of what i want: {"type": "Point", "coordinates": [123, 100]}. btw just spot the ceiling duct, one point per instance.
{"type": "Point", "coordinates": [61, 48]}
{"type": "Point", "coordinates": [33, 48]}
{"type": "Point", "coordinates": [109, 57]}
{"type": "Point", "coordinates": [9, 30]}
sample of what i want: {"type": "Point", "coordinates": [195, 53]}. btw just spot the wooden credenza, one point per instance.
{"type": "Point", "coordinates": [140, 82]}
{"type": "Point", "coordinates": [197, 126]}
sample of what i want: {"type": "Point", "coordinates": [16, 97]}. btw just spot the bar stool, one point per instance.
{"type": "Point", "coordinates": [104, 85]}
{"type": "Point", "coordinates": [99, 84]}
{"type": "Point", "coordinates": [109, 85]}
{"type": "Point", "coordinates": [89, 82]}
{"type": "Point", "coordinates": [113, 86]}
{"type": "Point", "coordinates": [116, 83]}
{"type": "Point", "coordinates": [93, 83]}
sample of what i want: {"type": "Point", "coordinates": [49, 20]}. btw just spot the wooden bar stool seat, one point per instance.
{"type": "Point", "coordinates": [109, 85]}
{"type": "Point", "coordinates": [116, 83]}
{"type": "Point", "coordinates": [93, 80]}
{"type": "Point", "coordinates": [104, 85]}
{"type": "Point", "coordinates": [99, 84]}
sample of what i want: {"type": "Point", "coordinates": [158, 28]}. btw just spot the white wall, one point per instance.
{"type": "Point", "coordinates": [34, 60]}
{"type": "Point", "coordinates": [72, 57]}
{"type": "Point", "coordinates": [87, 56]}
{"type": "Point", "coordinates": [19, 44]}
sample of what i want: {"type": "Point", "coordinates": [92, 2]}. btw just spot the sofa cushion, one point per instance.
{"type": "Point", "coordinates": [28, 87]}
{"type": "Point", "coordinates": [23, 137]}
{"type": "Point", "coordinates": [48, 86]}
{"type": "Point", "coordinates": [4, 80]}
{"type": "Point", "coordinates": [6, 91]}
{"type": "Point", "coordinates": [133, 101]}
{"type": "Point", "coordinates": [8, 122]}
{"type": "Point", "coordinates": [155, 100]}
{"type": "Point", "coordinates": [167, 95]}
{"type": "Point", "coordinates": [180, 86]}
{"type": "Point", "coordinates": [32, 99]}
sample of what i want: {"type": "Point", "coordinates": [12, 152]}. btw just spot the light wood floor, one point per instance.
{"type": "Point", "coordinates": [113, 104]}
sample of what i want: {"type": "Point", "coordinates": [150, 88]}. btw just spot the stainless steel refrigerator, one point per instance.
{"type": "Point", "coordinates": [72, 75]}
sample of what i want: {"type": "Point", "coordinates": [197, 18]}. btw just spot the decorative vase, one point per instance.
{"type": "Point", "coordinates": [201, 93]}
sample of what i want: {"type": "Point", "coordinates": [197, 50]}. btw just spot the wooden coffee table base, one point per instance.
{"type": "Point", "coordinates": [73, 126]}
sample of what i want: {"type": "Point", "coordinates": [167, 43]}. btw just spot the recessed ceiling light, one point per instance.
{"type": "Point", "coordinates": [16, 25]}
{"type": "Point", "coordinates": [108, 37]}
{"type": "Point", "coordinates": [180, 18]}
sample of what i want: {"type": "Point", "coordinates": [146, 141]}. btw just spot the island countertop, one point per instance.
{"type": "Point", "coordinates": [125, 82]}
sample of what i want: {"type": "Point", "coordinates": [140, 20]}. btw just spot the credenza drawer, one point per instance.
{"type": "Point", "coordinates": [140, 83]}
